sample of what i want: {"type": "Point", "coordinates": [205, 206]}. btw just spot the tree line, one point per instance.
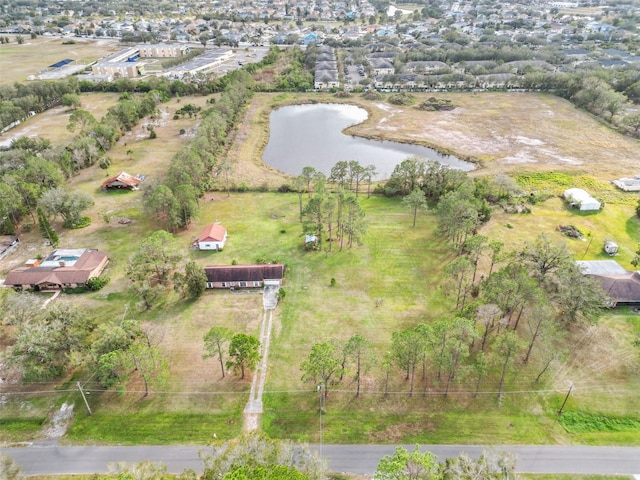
{"type": "Point", "coordinates": [195, 168]}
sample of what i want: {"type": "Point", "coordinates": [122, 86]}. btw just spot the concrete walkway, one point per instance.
{"type": "Point", "coordinates": [253, 410]}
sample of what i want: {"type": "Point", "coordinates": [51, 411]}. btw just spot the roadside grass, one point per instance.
{"type": "Point", "coordinates": [156, 427]}
{"type": "Point", "coordinates": [400, 419]}
{"type": "Point", "coordinates": [17, 62]}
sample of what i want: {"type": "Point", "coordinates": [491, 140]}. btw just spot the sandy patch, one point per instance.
{"type": "Point", "coordinates": [59, 422]}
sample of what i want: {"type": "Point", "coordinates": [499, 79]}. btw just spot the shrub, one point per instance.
{"type": "Point", "coordinates": [96, 283]}
{"type": "Point", "coordinates": [81, 223]}
{"type": "Point", "coordinates": [281, 294]}
{"type": "Point", "coordinates": [285, 188]}
{"type": "Point", "coordinates": [402, 98]}
{"type": "Point", "coordinates": [372, 96]}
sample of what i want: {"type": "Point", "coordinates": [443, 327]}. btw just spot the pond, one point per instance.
{"type": "Point", "coordinates": [311, 135]}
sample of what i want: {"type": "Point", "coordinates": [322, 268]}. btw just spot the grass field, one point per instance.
{"type": "Point", "coordinates": [394, 280]}
{"type": "Point", "coordinates": [52, 124]}
{"type": "Point", "coordinates": [18, 62]}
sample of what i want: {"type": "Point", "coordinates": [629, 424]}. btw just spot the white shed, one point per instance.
{"type": "Point", "coordinates": [212, 238]}
{"type": "Point", "coordinates": [580, 199]}
{"type": "Point", "coordinates": [610, 247]}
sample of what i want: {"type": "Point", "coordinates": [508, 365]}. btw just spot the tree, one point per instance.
{"type": "Point", "coordinates": [81, 119]}
{"type": "Point", "coordinates": [214, 342]}
{"type": "Point", "coordinates": [473, 247]}
{"type": "Point", "coordinates": [67, 204]}
{"type": "Point", "coordinates": [256, 451]}
{"type": "Point", "coordinates": [154, 259]}
{"type": "Point", "coordinates": [308, 175]}
{"type": "Point", "coordinates": [149, 363]}
{"type": "Point", "coordinates": [506, 347]}
{"type": "Point", "coordinates": [370, 173]}
{"type": "Point", "coordinates": [460, 335]}
{"type": "Point", "coordinates": [405, 465]}
{"type": "Point", "coordinates": [20, 308]}
{"type": "Point", "coordinates": [46, 229]}
{"type": "Point", "coordinates": [71, 100]}
{"type": "Point", "coordinates": [139, 471]}
{"type": "Point", "coordinates": [9, 469]}
{"type": "Point", "coordinates": [406, 176]}
{"type": "Point", "coordinates": [459, 272]}
{"type": "Point", "coordinates": [544, 257]}
{"type": "Point", "coordinates": [147, 292]}
{"type": "Point", "coordinates": [195, 279]}
{"type": "Point", "coordinates": [415, 201]}
{"type": "Point", "coordinates": [321, 366]}
{"type": "Point", "coordinates": [490, 466]}
{"type": "Point", "coordinates": [577, 295]}
{"type": "Point", "coordinates": [104, 163]}
{"type": "Point", "coordinates": [44, 346]}
{"type": "Point", "coordinates": [162, 205]}
{"type": "Point", "coordinates": [358, 349]}
{"type": "Point", "coordinates": [244, 353]}
{"type": "Point", "coordinates": [408, 347]}
{"type": "Point", "coordinates": [11, 208]}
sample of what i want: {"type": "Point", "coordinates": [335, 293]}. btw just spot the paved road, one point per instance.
{"type": "Point", "coordinates": [363, 459]}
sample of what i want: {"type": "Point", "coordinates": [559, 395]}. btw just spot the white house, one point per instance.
{"type": "Point", "coordinates": [212, 237]}
{"type": "Point", "coordinates": [580, 199]}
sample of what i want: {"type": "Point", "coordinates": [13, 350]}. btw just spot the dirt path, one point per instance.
{"type": "Point", "coordinates": [253, 410]}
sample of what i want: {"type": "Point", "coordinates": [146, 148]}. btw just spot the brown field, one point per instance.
{"type": "Point", "coordinates": [18, 62]}
{"type": "Point", "coordinates": [501, 132]}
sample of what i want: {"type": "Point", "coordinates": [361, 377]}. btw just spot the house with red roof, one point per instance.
{"type": "Point", "coordinates": [212, 237]}
{"type": "Point", "coordinates": [122, 181]}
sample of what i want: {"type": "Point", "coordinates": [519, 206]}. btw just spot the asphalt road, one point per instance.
{"type": "Point", "coordinates": [362, 459]}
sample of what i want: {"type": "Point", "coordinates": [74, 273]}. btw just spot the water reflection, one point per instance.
{"type": "Point", "coordinates": [311, 135]}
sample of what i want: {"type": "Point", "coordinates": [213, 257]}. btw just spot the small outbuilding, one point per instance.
{"type": "Point", "coordinates": [581, 200]}
{"type": "Point", "coordinates": [213, 237]}
{"type": "Point", "coordinates": [122, 181]}
{"type": "Point", "coordinates": [610, 247]}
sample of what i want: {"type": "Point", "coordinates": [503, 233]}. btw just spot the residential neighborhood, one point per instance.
{"type": "Point", "coordinates": [436, 47]}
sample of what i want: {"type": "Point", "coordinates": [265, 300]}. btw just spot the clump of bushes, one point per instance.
{"type": "Point", "coordinates": [402, 98]}
{"type": "Point", "coordinates": [433, 104]}
{"type": "Point", "coordinates": [81, 223]}
{"type": "Point", "coordinates": [96, 283]}
{"type": "Point", "coordinates": [372, 95]}
{"type": "Point", "coordinates": [342, 94]}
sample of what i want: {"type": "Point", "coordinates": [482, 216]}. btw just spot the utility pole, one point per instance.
{"type": "Point", "coordinates": [321, 404]}
{"type": "Point", "coordinates": [83, 397]}
{"type": "Point", "coordinates": [566, 398]}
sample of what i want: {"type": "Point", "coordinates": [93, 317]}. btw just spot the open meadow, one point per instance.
{"type": "Point", "coordinates": [394, 280]}
{"type": "Point", "coordinates": [19, 61]}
